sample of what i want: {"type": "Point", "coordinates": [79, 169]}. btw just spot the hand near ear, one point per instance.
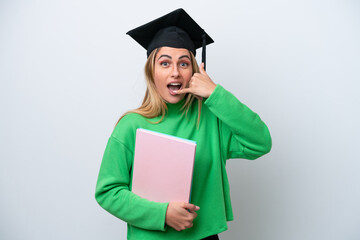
{"type": "Point", "coordinates": [200, 84]}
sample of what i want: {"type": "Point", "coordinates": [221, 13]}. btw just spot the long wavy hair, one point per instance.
{"type": "Point", "coordinates": [153, 104]}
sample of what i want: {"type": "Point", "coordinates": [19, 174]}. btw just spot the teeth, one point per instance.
{"type": "Point", "coordinates": [175, 84]}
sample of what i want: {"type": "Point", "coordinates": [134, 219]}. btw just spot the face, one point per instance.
{"type": "Point", "coordinates": [173, 71]}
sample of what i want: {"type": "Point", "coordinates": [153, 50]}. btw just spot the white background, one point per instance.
{"type": "Point", "coordinates": [68, 71]}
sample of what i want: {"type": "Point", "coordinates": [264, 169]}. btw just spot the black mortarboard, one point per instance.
{"type": "Point", "coordinates": [176, 29]}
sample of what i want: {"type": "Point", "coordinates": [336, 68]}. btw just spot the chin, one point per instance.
{"type": "Point", "coordinates": [174, 99]}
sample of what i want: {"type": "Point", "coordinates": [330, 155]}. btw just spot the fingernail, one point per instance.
{"type": "Point", "coordinates": [197, 208]}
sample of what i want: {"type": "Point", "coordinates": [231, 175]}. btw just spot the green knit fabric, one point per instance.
{"type": "Point", "coordinates": [227, 129]}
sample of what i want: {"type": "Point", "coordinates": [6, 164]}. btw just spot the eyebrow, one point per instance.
{"type": "Point", "coordinates": [167, 56]}
{"type": "Point", "coordinates": [185, 56]}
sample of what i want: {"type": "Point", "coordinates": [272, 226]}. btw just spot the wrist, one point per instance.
{"type": "Point", "coordinates": [212, 88]}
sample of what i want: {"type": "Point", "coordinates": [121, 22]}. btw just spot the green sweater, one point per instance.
{"type": "Point", "coordinates": [227, 129]}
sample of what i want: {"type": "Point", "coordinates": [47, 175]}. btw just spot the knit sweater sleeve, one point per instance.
{"type": "Point", "coordinates": [114, 195]}
{"type": "Point", "coordinates": [243, 134]}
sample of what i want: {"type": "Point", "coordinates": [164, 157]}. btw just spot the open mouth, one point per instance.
{"type": "Point", "coordinates": [173, 87]}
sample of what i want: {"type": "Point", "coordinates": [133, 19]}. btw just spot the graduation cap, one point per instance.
{"type": "Point", "coordinates": [175, 29]}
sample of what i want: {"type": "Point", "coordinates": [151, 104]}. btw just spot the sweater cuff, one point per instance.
{"type": "Point", "coordinates": [216, 94]}
{"type": "Point", "coordinates": [163, 226]}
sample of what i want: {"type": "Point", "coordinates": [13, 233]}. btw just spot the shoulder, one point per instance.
{"type": "Point", "coordinates": [131, 119]}
{"type": "Point", "coordinates": [125, 130]}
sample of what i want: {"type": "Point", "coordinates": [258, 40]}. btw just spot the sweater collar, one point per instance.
{"type": "Point", "coordinates": [175, 106]}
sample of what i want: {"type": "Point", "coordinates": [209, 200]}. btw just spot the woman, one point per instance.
{"type": "Point", "coordinates": [180, 100]}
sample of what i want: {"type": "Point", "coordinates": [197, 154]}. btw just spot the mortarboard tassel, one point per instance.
{"type": "Point", "coordinates": [204, 49]}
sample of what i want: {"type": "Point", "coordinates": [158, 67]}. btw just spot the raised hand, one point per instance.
{"type": "Point", "coordinates": [180, 215]}
{"type": "Point", "coordinates": [200, 84]}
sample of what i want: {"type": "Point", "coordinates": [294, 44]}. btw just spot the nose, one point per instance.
{"type": "Point", "coordinates": [175, 71]}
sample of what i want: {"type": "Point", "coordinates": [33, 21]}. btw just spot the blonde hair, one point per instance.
{"type": "Point", "coordinates": [153, 104]}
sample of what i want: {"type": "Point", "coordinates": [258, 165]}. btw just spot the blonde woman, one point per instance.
{"type": "Point", "coordinates": [180, 100]}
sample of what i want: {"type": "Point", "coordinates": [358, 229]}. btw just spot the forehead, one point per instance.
{"type": "Point", "coordinates": [173, 52]}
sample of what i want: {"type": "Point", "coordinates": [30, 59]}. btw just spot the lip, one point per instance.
{"type": "Point", "coordinates": [171, 91]}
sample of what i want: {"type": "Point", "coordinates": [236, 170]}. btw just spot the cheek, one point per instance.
{"type": "Point", "coordinates": [159, 78]}
{"type": "Point", "coordinates": [158, 84]}
{"type": "Point", "coordinates": [187, 76]}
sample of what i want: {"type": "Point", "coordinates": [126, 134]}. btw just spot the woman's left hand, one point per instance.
{"type": "Point", "coordinates": [200, 84]}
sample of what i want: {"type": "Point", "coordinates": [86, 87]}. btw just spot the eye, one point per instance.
{"type": "Point", "coordinates": [184, 64]}
{"type": "Point", "coordinates": [164, 64]}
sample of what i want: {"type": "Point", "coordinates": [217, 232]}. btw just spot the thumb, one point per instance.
{"type": "Point", "coordinates": [191, 207]}
{"type": "Point", "coordinates": [181, 91]}
{"type": "Point", "coordinates": [202, 69]}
